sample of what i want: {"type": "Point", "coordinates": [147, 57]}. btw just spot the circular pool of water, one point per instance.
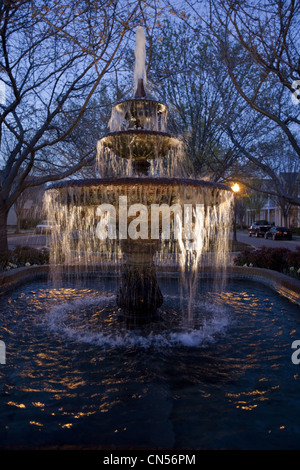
{"type": "Point", "coordinates": [76, 375]}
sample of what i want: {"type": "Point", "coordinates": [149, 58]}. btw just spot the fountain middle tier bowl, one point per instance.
{"type": "Point", "coordinates": [142, 190]}
{"type": "Point", "coordinates": [140, 144]}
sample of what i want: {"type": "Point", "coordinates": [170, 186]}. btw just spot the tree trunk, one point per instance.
{"type": "Point", "coordinates": [18, 227]}
{"type": "Point", "coordinates": [286, 219]}
{"type": "Point", "coordinates": [3, 230]}
{"type": "Point", "coordinates": [285, 208]}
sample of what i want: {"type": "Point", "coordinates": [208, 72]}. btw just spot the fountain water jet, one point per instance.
{"type": "Point", "coordinates": [140, 63]}
{"type": "Point", "coordinates": [138, 136]}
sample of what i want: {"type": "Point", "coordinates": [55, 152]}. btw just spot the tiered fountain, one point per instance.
{"type": "Point", "coordinates": [138, 137]}
{"type": "Point", "coordinates": [78, 375]}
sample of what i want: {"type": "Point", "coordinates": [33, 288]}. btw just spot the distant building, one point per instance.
{"type": "Point", "coordinates": [28, 206]}
{"type": "Point", "coordinates": [276, 211]}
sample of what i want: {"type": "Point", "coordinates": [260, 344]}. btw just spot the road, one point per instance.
{"type": "Point", "coordinates": [27, 239]}
{"type": "Point", "coordinates": [242, 236]}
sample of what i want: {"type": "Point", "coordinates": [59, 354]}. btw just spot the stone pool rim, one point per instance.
{"type": "Point", "coordinates": [285, 285]}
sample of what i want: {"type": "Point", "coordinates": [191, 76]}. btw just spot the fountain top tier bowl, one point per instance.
{"type": "Point", "coordinates": [138, 130]}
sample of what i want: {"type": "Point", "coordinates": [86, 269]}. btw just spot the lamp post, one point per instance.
{"type": "Point", "coordinates": [235, 188]}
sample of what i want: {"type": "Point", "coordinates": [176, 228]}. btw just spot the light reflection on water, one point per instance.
{"type": "Point", "coordinates": [76, 375]}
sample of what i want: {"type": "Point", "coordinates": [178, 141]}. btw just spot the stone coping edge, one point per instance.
{"type": "Point", "coordinates": [285, 285]}
{"type": "Point", "coordinates": [15, 277]}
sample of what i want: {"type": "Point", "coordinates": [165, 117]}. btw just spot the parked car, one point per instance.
{"type": "Point", "coordinates": [259, 228]}
{"type": "Point", "coordinates": [45, 226]}
{"type": "Point", "coordinates": [279, 233]}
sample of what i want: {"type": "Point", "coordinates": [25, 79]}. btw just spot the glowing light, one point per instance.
{"type": "Point", "coordinates": [235, 188]}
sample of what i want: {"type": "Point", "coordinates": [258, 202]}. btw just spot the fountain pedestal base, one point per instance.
{"type": "Point", "coordinates": [139, 294]}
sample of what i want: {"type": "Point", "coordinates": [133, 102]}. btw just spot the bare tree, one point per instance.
{"type": "Point", "coordinates": [52, 55]}
{"type": "Point", "coordinates": [181, 76]}
{"type": "Point", "coordinates": [30, 194]}
{"type": "Point", "coordinates": [257, 45]}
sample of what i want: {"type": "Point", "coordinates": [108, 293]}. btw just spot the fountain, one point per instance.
{"type": "Point", "coordinates": [136, 212]}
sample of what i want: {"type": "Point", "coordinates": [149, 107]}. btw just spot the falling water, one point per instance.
{"type": "Point", "coordinates": [172, 165]}
{"type": "Point", "coordinates": [76, 245]}
{"type": "Point", "coordinates": [138, 114]}
{"type": "Point", "coordinates": [140, 162]}
{"type": "Point", "coordinates": [108, 164]}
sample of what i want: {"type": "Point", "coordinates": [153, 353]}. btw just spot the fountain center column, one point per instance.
{"type": "Point", "coordinates": [139, 291]}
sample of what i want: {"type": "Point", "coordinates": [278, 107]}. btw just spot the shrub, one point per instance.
{"type": "Point", "coordinates": [26, 254]}
{"type": "Point", "coordinates": [5, 258]}
{"type": "Point", "coordinates": [29, 223]}
{"type": "Point", "coordinates": [23, 255]}
{"type": "Point", "coordinates": [294, 258]}
{"type": "Point", "coordinates": [278, 259]}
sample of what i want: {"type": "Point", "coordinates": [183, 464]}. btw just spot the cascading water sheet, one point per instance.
{"type": "Point", "coordinates": [144, 212]}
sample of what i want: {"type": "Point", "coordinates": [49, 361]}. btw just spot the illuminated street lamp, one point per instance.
{"type": "Point", "coordinates": [235, 188]}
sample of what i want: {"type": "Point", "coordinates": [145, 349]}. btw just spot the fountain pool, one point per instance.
{"type": "Point", "coordinates": [75, 375]}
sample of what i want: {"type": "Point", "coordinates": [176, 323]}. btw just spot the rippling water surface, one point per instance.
{"type": "Point", "coordinates": [75, 374]}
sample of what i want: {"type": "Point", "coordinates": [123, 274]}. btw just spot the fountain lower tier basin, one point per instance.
{"type": "Point", "coordinates": [77, 377]}
{"type": "Point", "coordinates": [148, 190]}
